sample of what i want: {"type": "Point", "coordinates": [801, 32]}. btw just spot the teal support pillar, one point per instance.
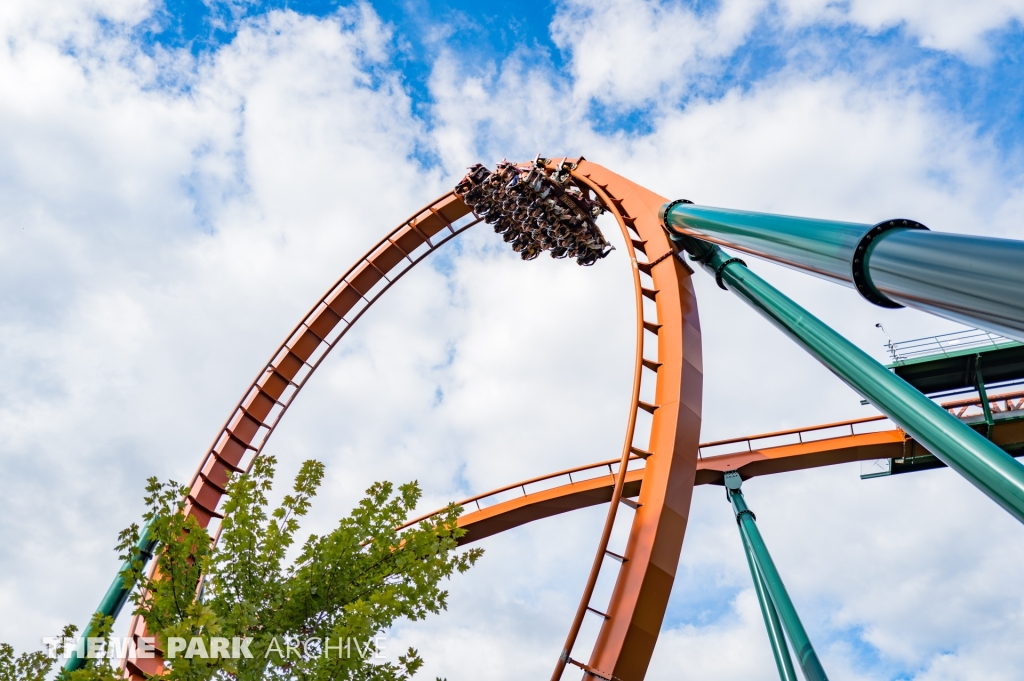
{"type": "Point", "coordinates": [117, 594]}
{"type": "Point", "coordinates": [777, 606]}
{"type": "Point", "coordinates": [776, 636]}
{"type": "Point", "coordinates": [970, 279]}
{"type": "Point", "coordinates": [970, 454]}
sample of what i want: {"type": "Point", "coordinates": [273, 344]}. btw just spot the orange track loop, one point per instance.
{"type": "Point", "coordinates": [274, 389]}
{"type": "Point", "coordinates": [638, 604]}
{"type": "Point", "coordinates": [661, 473]}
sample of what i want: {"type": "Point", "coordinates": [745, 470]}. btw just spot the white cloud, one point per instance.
{"type": "Point", "coordinates": [643, 54]}
{"type": "Point", "coordinates": [72, 23]}
{"type": "Point", "coordinates": [142, 229]}
{"type": "Point", "coordinates": [157, 244]}
{"type": "Point", "coordinates": [950, 26]}
{"type": "Point", "coordinates": [625, 53]}
{"type": "Point", "coordinates": [946, 25]}
{"type": "Point", "coordinates": [736, 647]}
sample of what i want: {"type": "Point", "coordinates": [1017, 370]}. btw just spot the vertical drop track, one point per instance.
{"type": "Point", "coordinates": [632, 619]}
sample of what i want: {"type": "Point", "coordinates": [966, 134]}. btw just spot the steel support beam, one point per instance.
{"type": "Point", "coordinates": [776, 636]}
{"type": "Point", "coordinates": [764, 568]}
{"type": "Point", "coordinates": [985, 465]}
{"type": "Point", "coordinates": [117, 595]}
{"type": "Point", "coordinates": [972, 280]}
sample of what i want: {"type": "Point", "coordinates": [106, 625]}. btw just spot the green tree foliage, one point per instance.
{"type": "Point", "coordinates": [314, 616]}
{"type": "Point", "coordinates": [25, 667]}
{"type": "Point", "coordinates": [34, 666]}
{"type": "Point", "coordinates": [342, 589]}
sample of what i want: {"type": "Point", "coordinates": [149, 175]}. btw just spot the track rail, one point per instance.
{"type": "Point", "coordinates": [610, 464]}
{"type": "Point", "coordinates": [997, 403]}
{"type": "Point", "coordinates": [253, 420]}
{"type": "Point", "coordinates": [667, 317]}
{"type": "Point", "coordinates": [492, 512]}
{"type": "Point", "coordinates": [811, 433]}
{"type": "Point", "coordinates": [661, 472]}
{"type": "Point", "coordinates": [628, 448]}
{"type": "Point", "coordinates": [671, 451]}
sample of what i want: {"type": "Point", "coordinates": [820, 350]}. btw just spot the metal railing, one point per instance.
{"type": "Point", "coordinates": [1005, 402]}
{"type": "Point", "coordinates": [945, 343]}
{"type": "Point", "coordinates": [581, 476]}
{"type": "Point", "coordinates": [801, 436]}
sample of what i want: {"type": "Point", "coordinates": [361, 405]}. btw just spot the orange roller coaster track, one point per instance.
{"type": "Point", "coordinates": [559, 492]}
{"type": "Point", "coordinates": [659, 473]}
{"type": "Point", "coordinates": [633, 619]}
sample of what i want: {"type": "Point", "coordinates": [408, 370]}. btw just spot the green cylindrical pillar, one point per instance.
{"type": "Point", "coordinates": [763, 564]}
{"type": "Point", "coordinates": [776, 636]}
{"type": "Point", "coordinates": [117, 594]}
{"type": "Point", "coordinates": [989, 468]}
{"type": "Point", "coordinates": [970, 279]}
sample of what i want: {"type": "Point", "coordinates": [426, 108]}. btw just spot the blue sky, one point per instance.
{"type": "Point", "coordinates": [180, 180]}
{"type": "Point", "coordinates": [985, 91]}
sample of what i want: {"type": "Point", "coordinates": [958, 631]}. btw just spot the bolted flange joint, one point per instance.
{"type": "Point", "coordinates": [663, 213]}
{"type": "Point", "coordinates": [739, 516]}
{"type": "Point", "coordinates": [721, 268]}
{"type": "Point", "coordinates": [861, 277]}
